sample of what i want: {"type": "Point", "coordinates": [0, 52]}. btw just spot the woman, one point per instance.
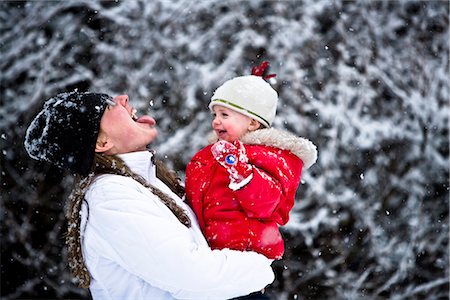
{"type": "Point", "coordinates": [130, 235]}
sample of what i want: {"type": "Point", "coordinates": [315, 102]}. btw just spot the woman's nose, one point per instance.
{"type": "Point", "coordinates": [121, 99]}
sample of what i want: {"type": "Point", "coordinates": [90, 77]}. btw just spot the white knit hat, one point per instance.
{"type": "Point", "coordinates": [249, 95]}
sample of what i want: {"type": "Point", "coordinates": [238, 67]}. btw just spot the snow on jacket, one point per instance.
{"type": "Point", "coordinates": [248, 218]}
{"type": "Point", "coordinates": [135, 247]}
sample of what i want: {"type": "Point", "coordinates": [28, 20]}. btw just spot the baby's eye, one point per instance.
{"type": "Point", "coordinates": [225, 114]}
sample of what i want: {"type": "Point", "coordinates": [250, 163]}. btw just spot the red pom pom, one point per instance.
{"type": "Point", "coordinates": [259, 70]}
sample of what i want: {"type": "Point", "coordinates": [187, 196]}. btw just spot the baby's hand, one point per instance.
{"type": "Point", "coordinates": [233, 158]}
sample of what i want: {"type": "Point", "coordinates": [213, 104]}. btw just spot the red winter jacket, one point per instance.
{"type": "Point", "coordinates": [248, 219]}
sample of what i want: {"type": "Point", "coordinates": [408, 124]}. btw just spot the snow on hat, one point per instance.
{"type": "Point", "coordinates": [65, 131]}
{"type": "Point", "coordinates": [249, 95]}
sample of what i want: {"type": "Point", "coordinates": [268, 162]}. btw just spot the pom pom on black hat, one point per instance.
{"type": "Point", "coordinates": [64, 132]}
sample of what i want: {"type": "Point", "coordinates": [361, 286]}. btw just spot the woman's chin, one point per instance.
{"type": "Point", "coordinates": [151, 136]}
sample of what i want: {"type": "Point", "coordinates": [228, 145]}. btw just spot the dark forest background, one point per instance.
{"type": "Point", "coordinates": [366, 81]}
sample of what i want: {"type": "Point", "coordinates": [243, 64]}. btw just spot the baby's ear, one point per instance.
{"type": "Point", "coordinates": [254, 125]}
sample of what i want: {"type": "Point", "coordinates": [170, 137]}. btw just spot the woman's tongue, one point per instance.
{"type": "Point", "coordinates": [146, 120]}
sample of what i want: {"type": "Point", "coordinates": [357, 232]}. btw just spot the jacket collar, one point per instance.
{"type": "Point", "coordinates": [141, 163]}
{"type": "Point", "coordinates": [301, 147]}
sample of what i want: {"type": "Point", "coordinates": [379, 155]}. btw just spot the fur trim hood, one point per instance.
{"type": "Point", "coordinates": [301, 147]}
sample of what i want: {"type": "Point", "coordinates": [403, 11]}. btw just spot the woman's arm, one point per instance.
{"type": "Point", "coordinates": [155, 246]}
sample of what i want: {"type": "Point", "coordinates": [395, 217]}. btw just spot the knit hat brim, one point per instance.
{"type": "Point", "coordinates": [239, 109]}
{"type": "Point", "coordinates": [249, 95]}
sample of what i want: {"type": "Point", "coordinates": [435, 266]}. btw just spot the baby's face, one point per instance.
{"type": "Point", "coordinates": [229, 125]}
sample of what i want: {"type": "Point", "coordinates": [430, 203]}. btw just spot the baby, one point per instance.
{"type": "Point", "coordinates": [243, 185]}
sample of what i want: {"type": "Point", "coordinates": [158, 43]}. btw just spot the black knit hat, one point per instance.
{"type": "Point", "coordinates": [65, 131]}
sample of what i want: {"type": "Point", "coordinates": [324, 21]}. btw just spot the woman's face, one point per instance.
{"type": "Point", "coordinates": [121, 131]}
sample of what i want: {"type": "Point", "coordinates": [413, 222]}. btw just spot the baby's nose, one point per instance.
{"type": "Point", "coordinates": [216, 120]}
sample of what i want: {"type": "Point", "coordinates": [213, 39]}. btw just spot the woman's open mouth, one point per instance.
{"type": "Point", "coordinates": [133, 114]}
{"type": "Point", "coordinates": [142, 119]}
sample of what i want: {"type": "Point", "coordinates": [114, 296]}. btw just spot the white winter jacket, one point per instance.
{"type": "Point", "coordinates": [135, 247]}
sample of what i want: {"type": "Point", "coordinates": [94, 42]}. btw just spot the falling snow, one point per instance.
{"type": "Point", "coordinates": [366, 81]}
